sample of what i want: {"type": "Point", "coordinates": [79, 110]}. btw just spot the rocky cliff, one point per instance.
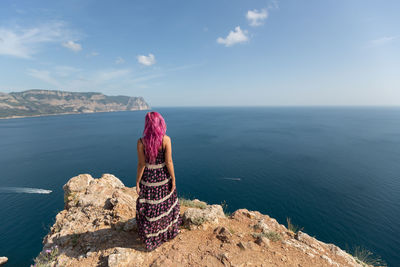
{"type": "Point", "coordinates": [50, 102]}
{"type": "Point", "coordinates": [98, 228]}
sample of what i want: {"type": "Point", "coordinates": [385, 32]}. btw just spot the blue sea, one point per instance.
{"type": "Point", "coordinates": [333, 170]}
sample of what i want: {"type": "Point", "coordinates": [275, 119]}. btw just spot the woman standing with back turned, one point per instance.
{"type": "Point", "coordinates": [157, 207]}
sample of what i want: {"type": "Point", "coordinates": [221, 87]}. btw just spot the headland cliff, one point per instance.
{"type": "Point", "coordinates": [39, 102]}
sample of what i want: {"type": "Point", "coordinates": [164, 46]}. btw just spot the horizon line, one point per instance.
{"type": "Point", "coordinates": [277, 106]}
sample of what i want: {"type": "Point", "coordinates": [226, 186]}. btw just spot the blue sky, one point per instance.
{"type": "Point", "coordinates": [206, 53]}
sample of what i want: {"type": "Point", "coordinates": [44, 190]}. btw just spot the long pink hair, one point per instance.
{"type": "Point", "coordinates": [154, 130]}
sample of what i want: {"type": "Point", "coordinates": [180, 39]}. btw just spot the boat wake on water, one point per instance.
{"type": "Point", "coordinates": [27, 190]}
{"type": "Point", "coordinates": [232, 178]}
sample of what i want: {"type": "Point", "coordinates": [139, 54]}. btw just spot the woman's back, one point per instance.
{"type": "Point", "coordinates": [161, 153]}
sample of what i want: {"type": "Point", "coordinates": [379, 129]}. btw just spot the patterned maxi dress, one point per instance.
{"type": "Point", "coordinates": [157, 207]}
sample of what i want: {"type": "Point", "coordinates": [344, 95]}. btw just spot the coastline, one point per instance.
{"type": "Point", "coordinates": [66, 113]}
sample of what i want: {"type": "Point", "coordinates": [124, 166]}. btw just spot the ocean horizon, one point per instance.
{"type": "Point", "coordinates": [333, 170]}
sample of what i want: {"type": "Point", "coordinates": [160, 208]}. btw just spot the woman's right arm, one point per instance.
{"type": "Point", "coordinates": [168, 160]}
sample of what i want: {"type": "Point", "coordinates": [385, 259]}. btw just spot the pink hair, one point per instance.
{"type": "Point", "coordinates": [154, 130]}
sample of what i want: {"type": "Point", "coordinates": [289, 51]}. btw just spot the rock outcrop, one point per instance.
{"type": "Point", "coordinates": [98, 228]}
{"type": "Point", "coordinates": [3, 260]}
{"type": "Point", "coordinates": [50, 102]}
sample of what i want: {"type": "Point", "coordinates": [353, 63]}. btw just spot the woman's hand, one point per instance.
{"type": "Point", "coordinates": [137, 188]}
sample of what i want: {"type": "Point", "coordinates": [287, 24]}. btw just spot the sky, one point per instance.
{"type": "Point", "coordinates": [208, 52]}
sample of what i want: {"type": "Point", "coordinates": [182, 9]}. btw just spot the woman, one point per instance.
{"type": "Point", "coordinates": [157, 207]}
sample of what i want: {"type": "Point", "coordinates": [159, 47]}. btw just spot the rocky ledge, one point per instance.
{"type": "Point", "coordinates": [3, 260]}
{"type": "Point", "coordinates": [98, 228]}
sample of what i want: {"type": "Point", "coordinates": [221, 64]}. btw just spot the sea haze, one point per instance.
{"type": "Point", "coordinates": [334, 171]}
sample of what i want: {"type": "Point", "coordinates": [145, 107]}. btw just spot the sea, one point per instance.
{"type": "Point", "coordinates": [334, 171]}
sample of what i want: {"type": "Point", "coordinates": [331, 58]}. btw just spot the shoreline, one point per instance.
{"type": "Point", "coordinates": [65, 113]}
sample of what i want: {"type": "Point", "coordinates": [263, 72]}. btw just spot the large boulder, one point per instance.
{"type": "Point", "coordinates": [73, 187]}
{"type": "Point", "coordinates": [195, 216]}
{"type": "Point", "coordinates": [123, 203]}
{"type": "Point", "coordinates": [3, 260]}
{"type": "Point", "coordinates": [83, 190]}
{"type": "Point", "coordinates": [124, 257]}
{"type": "Point", "coordinates": [92, 207]}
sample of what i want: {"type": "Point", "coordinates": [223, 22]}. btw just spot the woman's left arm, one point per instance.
{"type": "Point", "coordinates": [141, 163]}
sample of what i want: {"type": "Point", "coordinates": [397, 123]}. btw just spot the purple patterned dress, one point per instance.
{"type": "Point", "coordinates": [157, 207]}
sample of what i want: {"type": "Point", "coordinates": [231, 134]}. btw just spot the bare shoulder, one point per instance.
{"type": "Point", "coordinates": [167, 139]}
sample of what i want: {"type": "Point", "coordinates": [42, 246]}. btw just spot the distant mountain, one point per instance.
{"type": "Point", "coordinates": [48, 102]}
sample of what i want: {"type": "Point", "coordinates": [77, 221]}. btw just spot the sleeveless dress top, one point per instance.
{"type": "Point", "coordinates": [157, 207]}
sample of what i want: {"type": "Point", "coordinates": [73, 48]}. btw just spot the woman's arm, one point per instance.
{"type": "Point", "coordinates": [168, 160]}
{"type": "Point", "coordinates": [141, 163]}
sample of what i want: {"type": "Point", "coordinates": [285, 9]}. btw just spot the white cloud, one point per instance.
{"type": "Point", "coordinates": [146, 60]}
{"type": "Point", "coordinates": [25, 42]}
{"type": "Point", "coordinates": [382, 41]}
{"type": "Point", "coordinates": [234, 37]}
{"type": "Point", "coordinates": [255, 17]}
{"type": "Point", "coordinates": [119, 60]}
{"type": "Point", "coordinates": [72, 46]}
